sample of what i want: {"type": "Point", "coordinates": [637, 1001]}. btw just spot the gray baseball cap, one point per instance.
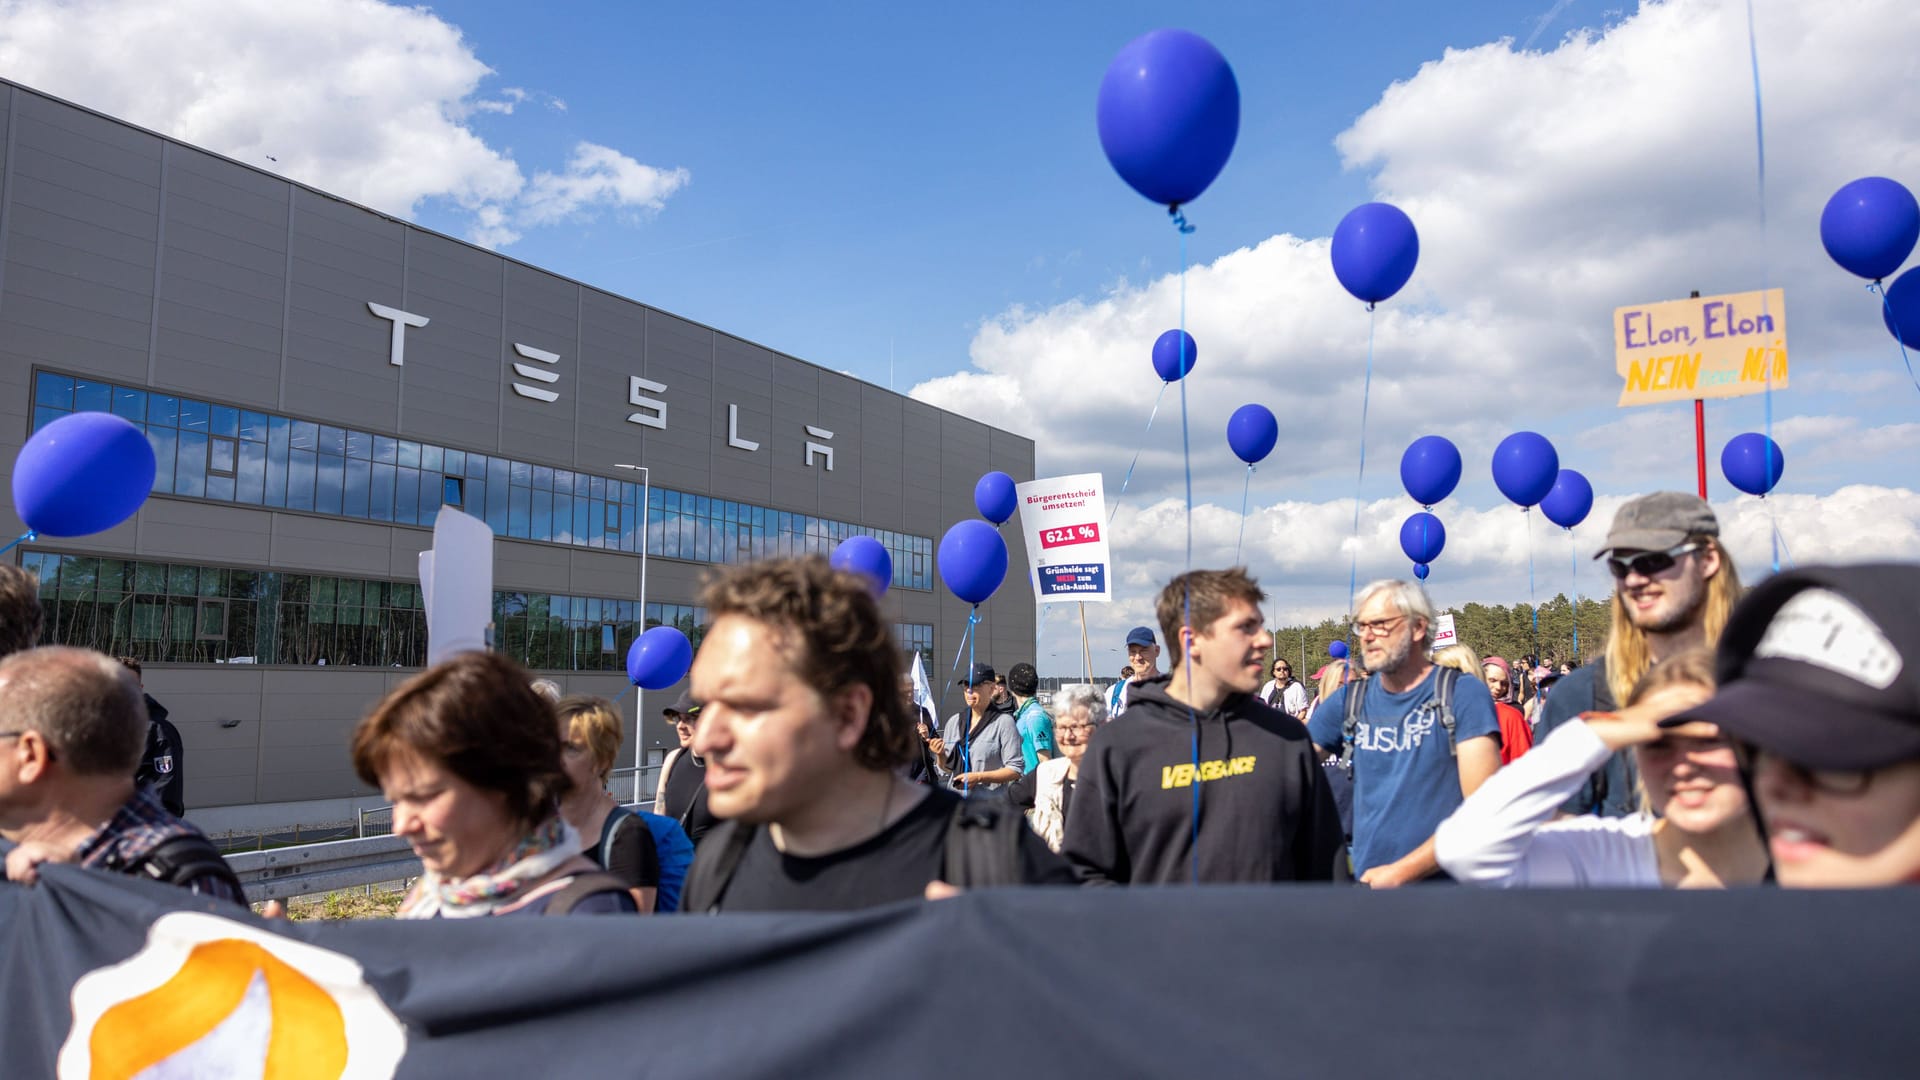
{"type": "Point", "coordinates": [1660, 521]}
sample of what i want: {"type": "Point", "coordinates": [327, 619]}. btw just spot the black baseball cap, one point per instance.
{"type": "Point", "coordinates": [982, 673]}
{"type": "Point", "coordinates": [686, 706]}
{"type": "Point", "coordinates": [1821, 666]}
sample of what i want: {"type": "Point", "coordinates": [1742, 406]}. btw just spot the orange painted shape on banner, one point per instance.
{"type": "Point", "coordinates": [308, 1038]}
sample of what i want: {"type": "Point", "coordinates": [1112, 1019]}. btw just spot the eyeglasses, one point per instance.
{"type": "Point", "coordinates": [1830, 781]}
{"type": "Point", "coordinates": [11, 734]}
{"type": "Point", "coordinates": [1378, 628]}
{"type": "Point", "coordinates": [1647, 563]}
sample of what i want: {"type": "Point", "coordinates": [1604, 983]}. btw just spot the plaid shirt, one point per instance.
{"type": "Point", "coordinates": [136, 829]}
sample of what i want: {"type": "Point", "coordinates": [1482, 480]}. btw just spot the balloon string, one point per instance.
{"type": "Point", "coordinates": [965, 637]}
{"type": "Point", "coordinates": [966, 722]}
{"type": "Point", "coordinates": [26, 537]}
{"type": "Point", "coordinates": [1366, 393]}
{"type": "Point", "coordinates": [1887, 305]}
{"type": "Point", "coordinates": [1780, 548]}
{"type": "Point", "coordinates": [1245, 490]}
{"type": "Point", "coordinates": [1186, 443]}
{"type": "Point", "coordinates": [1773, 519]}
{"type": "Point", "coordinates": [1760, 150]}
{"type": "Point", "coordinates": [1533, 598]}
{"type": "Point", "coordinates": [1573, 558]}
{"type": "Point", "coordinates": [1158, 398]}
{"type": "Point", "coordinates": [1186, 453]}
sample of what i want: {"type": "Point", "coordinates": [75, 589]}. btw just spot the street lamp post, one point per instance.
{"type": "Point", "coordinates": [639, 695]}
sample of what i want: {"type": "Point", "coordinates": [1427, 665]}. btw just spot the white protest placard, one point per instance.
{"type": "Point", "coordinates": [1065, 522]}
{"type": "Point", "coordinates": [456, 585]}
{"type": "Point", "coordinates": [1443, 633]}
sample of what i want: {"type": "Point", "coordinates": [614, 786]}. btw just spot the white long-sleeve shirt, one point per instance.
{"type": "Point", "coordinates": [1293, 702]}
{"type": "Point", "coordinates": [1504, 834]}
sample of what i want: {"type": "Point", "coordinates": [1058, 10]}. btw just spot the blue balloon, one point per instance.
{"type": "Point", "coordinates": [1169, 113]}
{"type": "Point", "coordinates": [1869, 226]}
{"type": "Point", "coordinates": [868, 557]}
{"type": "Point", "coordinates": [1422, 536]}
{"type": "Point", "coordinates": [994, 497]}
{"type": "Point", "coordinates": [1525, 465]}
{"type": "Point", "coordinates": [1251, 432]}
{"type": "Point", "coordinates": [1168, 357]}
{"type": "Point", "coordinates": [1753, 463]}
{"type": "Point", "coordinates": [1570, 500]}
{"type": "Point", "coordinates": [1337, 650]}
{"type": "Point", "coordinates": [82, 474]}
{"type": "Point", "coordinates": [972, 560]}
{"type": "Point", "coordinates": [1430, 469]}
{"type": "Point", "coordinates": [1375, 248]}
{"type": "Point", "coordinates": [1901, 312]}
{"type": "Point", "coordinates": [1421, 570]}
{"type": "Point", "coordinates": [659, 658]}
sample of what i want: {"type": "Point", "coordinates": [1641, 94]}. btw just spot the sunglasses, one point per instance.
{"type": "Point", "coordinates": [1648, 563]}
{"type": "Point", "coordinates": [1831, 781]}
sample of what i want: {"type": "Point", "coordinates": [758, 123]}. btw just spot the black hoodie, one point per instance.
{"type": "Point", "coordinates": [1265, 811]}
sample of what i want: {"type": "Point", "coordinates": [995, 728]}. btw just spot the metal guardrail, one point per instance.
{"type": "Point", "coordinates": [317, 869]}
{"type": "Point", "coordinates": [378, 820]}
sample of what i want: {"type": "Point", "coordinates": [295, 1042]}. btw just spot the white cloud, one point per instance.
{"type": "Point", "coordinates": [366, 100]}
{"type": "Point", "coordinates": [598, 176]}
{"type": "Point", "coordinates": [508, 100]}
{"type": "Point", "coordinates": [1548, 188]}
{"type": "Point", "coordinates": [1301, 552]}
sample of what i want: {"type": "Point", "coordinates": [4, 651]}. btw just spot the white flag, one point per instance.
{"type": "Point", "coordinates": [922, 693]}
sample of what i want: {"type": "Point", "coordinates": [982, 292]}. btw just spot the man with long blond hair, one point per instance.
{"type": "Point", "coordinates": [1674, 586]}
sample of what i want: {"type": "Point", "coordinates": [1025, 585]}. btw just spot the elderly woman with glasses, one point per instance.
{"type": "Point", "coordinates": [1047, 790]}
{"type": "Point", "coordinates": [470, 757]}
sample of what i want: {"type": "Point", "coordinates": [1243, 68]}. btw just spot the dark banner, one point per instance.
{"type": "Point", "coordinates": [106, 976]}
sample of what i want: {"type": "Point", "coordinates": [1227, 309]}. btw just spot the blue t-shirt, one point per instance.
{"type": "Point", "coordinates": [1036, 733]}
{"type": "Point", "coordinates": [1405, 783]}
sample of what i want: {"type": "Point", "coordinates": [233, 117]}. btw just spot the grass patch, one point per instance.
{"type": "Point", "coordinates": [350, 904]}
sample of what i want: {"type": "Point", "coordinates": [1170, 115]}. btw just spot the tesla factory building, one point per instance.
{"type": "Point", "coordinates": [318, 379]}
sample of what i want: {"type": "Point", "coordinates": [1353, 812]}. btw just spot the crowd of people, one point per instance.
{"type": "Point", "coordinates": [1724, 738]}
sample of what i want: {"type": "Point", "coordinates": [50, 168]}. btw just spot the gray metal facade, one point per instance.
{"type": "Point", "coordinates": [129, 257]}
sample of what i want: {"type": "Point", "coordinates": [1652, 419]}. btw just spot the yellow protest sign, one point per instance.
{"type": "Point", "coordinates": [1703, 347]}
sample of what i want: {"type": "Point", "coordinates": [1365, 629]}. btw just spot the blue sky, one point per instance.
{"type": "Point", "coordinates": [878, 172]}
{"type": "Point", "coordinates": [833, 180]}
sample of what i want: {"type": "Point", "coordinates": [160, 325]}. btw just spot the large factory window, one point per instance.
{"type": "Point", "coordinates": [206, 450]}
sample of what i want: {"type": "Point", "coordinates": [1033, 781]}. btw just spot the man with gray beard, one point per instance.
{"type": "Point", "coordinates": [1420, 739]}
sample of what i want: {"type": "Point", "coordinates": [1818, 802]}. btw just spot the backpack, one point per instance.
{"type": "Point", "coordinates": [582, 886]}
{"type": "Point", "coordinates": [1442, 700]}
{"type": "Point", "coordinates": [675, 851]}
{"type": "Point", "coordinates": [184, 859]}
{"type": "Point", "coordinates": [982, 851]}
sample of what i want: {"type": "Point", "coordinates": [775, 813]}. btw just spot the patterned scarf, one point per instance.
{"type": "Point", "coordinates": [537, 855]}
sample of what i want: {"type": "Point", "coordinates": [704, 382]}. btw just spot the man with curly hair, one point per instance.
{"type": "Point", "coordinates": [804, 731]}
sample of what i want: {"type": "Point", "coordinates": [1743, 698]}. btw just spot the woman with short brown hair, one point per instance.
{"type": "Point", "coordinates": [470, 757]}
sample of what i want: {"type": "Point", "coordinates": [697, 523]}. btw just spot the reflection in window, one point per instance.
{"type": "Point", "coordinates": [181, 613]}
{"type": "Point", "coordinates": [211, 451]}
